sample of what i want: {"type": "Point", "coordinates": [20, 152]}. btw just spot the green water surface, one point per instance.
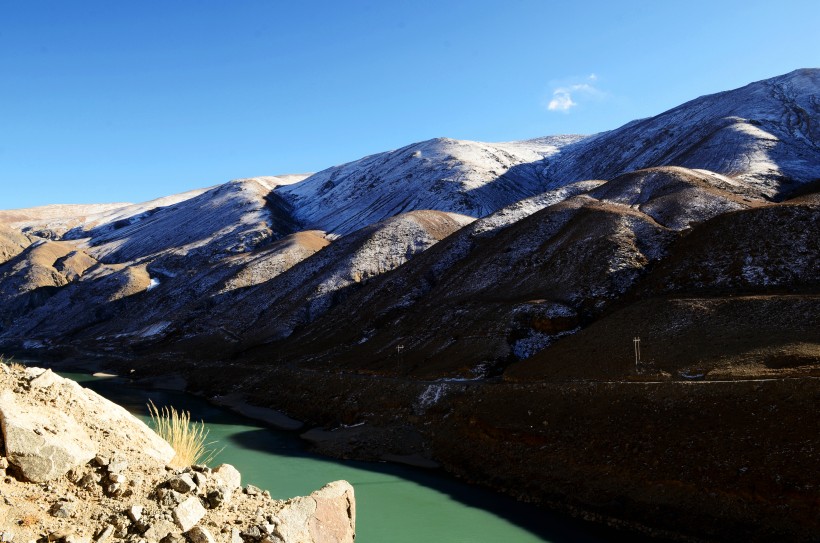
{"type": "Point", "coordinates": [395, 504]}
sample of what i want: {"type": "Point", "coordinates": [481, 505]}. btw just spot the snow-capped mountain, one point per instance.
{"type": "Point", "coordinates": [764, 134]}
{"type": "Point", "coordinates": [229, 218]}
{"type": "Point", "coordinates": [272, 259]}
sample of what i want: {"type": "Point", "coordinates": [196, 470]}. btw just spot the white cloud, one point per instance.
{"type": "Point", "coordinates": [561, 101]}
{"type": "Point", "coordinates": [567, 96]}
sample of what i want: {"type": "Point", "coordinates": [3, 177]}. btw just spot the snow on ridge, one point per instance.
{"type": "Point", "coordinates": [226, 219]}
{"type": "Point", "coordinates": [52, 221]}
{"type": "Point", "coordinates": [55, 212]}
{"type": "Point", "coordinates": [762, 134]}
{"type": "Point", "coordinates": [528, 206]}
{"type": "Point", "coordinates": [460, 176]}
{"type": "Point", "coordinates": [270, 182]}
{"type": "Point", "coordinates": [76, 221]}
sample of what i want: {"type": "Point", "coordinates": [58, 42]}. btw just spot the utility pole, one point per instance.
{"type": "Point", "coordinates": [637, 342]}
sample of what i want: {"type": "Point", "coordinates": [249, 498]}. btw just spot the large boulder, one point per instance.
{"type": "Point", "coordinates": [326, 516]}
{"type": "Point", "coordinates": [334, 520]}
{"type": "Point", "coordinates": [42, 442]}
{"type": "Point", "coordinates": [122, 429]}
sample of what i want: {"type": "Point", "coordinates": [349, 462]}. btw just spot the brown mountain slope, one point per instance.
{"type": "Point", "coordinates": [274, 308]}
{"type": "Point", "coordinates": [133, 301]}
{"type": "Point", "coordinates": [36, 273]}
{"type": "Point", "coordinates": [12, 243]}
{"type": "Point", "coordinates": [677, 197]}
{"type": "Point", "coordinates": [689, 337]}
{"type": "Point", "coordinates": [494, 294]}
{"type": "Point", "coordinates": [772, 247]}
{"type": "Point", "coordinates": [739, 296]}
{"type": "Point", "coordinates": [550, 268]}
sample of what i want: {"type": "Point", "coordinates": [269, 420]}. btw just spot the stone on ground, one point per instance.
{"type": "Point", "coordinates": [229, 476]}
{"type": "Point", "coordinates": [182, 483]}
{"type": "Point", "coordinates": [188, 513]}
{"type": "Point", "coordinates": [198, 534]}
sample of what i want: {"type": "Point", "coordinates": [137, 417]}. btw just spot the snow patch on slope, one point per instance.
{"type": "Point", "coordinates": [528, 206]}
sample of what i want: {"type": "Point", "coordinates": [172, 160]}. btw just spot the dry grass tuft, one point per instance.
{"type": "Point", "coordinates": [186, 437]}
{"type": "Point", "coordinates": [14, 366]}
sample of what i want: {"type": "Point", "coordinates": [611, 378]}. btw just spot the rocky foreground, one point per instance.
{"type": "Point", "coordinates": [77, 468]}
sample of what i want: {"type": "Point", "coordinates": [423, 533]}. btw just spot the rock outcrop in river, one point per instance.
{"type": "Point", "coordinates": [77, 468]}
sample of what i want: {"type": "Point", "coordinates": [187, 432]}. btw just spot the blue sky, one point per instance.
{"type": "Point", "coordinates": [106, 101]}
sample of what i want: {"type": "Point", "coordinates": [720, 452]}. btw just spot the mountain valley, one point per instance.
{"type": "Point", "coordinates": [477, 306]}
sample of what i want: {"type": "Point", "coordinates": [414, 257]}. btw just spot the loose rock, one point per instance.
{"type": "Point", "coordinates": [105, 535]}
{"type": "Point", "coordinates": [62, 509]}
{"type": "Point", "coordinates": [118, 465]}
{"type": "Point", "coordinates": [135, 512]}
{"type": "Point", "coordinates": [159, 530]}
{"type": "Point", "coordinates": [182, 483]}
{"type": "Point", "coordinates": [252, 490]}
{"type": "Point", "coordinates": [198, 534]}
{"type": "Point", "coordinates": [229, 476]}
{"type": "Point", "coordinates": [188, 513]}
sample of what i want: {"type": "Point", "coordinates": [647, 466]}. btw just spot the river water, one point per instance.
{"type": "Point", "coordinates": [395, 504]}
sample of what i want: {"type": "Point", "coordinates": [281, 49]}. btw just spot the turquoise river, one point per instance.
{"type": "Point", "coordinates": [395, 504]}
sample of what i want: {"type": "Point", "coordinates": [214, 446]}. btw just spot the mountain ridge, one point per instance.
{"type": "Point", "coordinates": [725, 130]}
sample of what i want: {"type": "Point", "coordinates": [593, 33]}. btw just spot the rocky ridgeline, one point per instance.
{"type": "Point", "coordinates": [76, 468]}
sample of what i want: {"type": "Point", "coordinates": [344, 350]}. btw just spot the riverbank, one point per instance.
{"type": "Point", "coordinates": [730, 461]}
{"type": "Point", "coordinates": [396, 503]}
{"type": "Point", "coordinates": [679, 460]}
